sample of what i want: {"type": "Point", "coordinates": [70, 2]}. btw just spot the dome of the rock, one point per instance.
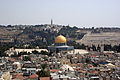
{"type": "Point", "coordinates": [60, 39]}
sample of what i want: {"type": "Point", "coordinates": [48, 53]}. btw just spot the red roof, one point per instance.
{"type": "Point", "coordinates": [44, 78]}
{"type": "Point", "coordinates": [76, 68]}
{"type": "Point", "coordinates": [33, 76]}
{"type": "Point", "coordinates": [18, 76]}
{"type": "Point", "coordinates": [93, 55]}
{"type": "Point", "coordinates": [90, 65]}
{"type": "Point", "coordinates": [94, 72]}
{"type": "Point", "coordinates": [11, 59]}
{"type": "Point", "coordinates": [54, 70]}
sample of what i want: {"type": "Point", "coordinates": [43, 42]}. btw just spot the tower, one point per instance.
{"type": "Point", "coordinates": [102, 46]}
{"type": "Point", "coordinates": [51, 22]}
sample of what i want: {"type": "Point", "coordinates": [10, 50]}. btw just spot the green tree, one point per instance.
{"type": "Point", "coordinates": [26, 58]}
{"type": "Point", "coordinates": [94, 48]}
{"type": "Point", "coordinates": [35, 52]}
{"type": "Point", "coordinates": [98, 48]}
{"type": "Point", "coordinates": [44, 71]}
{"type": "Point", "coordinates": [44, 53]}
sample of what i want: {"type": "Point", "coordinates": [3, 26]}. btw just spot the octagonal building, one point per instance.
{"type": "Point", "coordinates": [60, 45]}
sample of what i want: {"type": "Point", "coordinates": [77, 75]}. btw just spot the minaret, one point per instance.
{"type": "Point", "coordinates": [51, 22]}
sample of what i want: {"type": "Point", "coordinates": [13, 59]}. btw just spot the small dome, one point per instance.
{"type": "Point", "coordinates": [60, 39]}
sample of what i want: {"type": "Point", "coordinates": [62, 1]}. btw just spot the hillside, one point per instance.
{"type": "Point", "coordinates": [43, 35]}
{"type": "Point", "coordinates": [37, 34]}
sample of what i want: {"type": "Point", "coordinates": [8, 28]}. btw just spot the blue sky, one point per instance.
{"type": "Point", "coordinates": [81, 13]}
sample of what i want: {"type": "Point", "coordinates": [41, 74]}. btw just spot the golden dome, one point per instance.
{"type": "Point", "coordinates": [60, 39]}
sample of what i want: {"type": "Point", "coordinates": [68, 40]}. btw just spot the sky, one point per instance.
{"type": "Point", "coordinates": [80, 13]}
